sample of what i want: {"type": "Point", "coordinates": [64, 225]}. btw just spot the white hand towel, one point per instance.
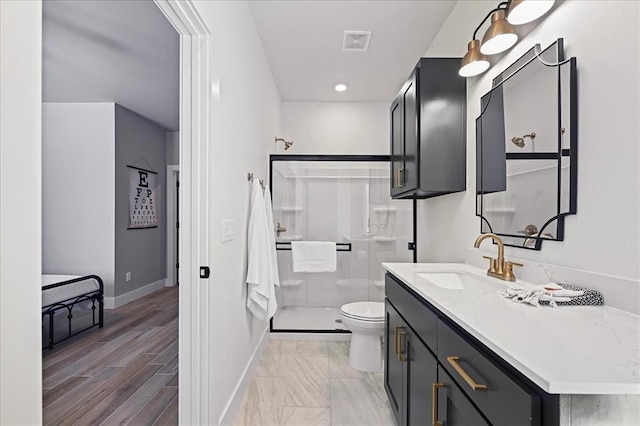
{"type": "Point", "coordinates": [273, 259]}
{"type": "Point", "coordinates": [314, 256]}
{"type": "Point", "coordinates": [261, 297]}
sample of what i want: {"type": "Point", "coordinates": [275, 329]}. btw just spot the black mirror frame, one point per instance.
{"type": "Point", "coordinates": [535, 53]}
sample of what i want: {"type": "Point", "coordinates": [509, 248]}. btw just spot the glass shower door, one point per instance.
{"type": "Point", "coordinates": [346, 202]}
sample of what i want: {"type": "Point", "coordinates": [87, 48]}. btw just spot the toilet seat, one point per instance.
{"type": "Point", "coordinates": [364, 311]}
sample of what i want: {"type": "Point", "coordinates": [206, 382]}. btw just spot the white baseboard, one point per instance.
{"type": "Point", "coordinates": [231, 409]}
{"type": "Point", "coordinates": [123, 299]}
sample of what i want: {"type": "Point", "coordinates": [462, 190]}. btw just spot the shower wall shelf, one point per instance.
{"type": "Point", "coordinates": [291, 283]}
{"type": "Point", "coordinates": [353, 282]}
{"type": "Point", "coordinates": [501, 210]}
{"type": "Point", "coordinates": [294, 237]}
{"type": "Point", "coordinates": [383, 239]}
{"type": "Point", "coordinates": [289, 209]}
{"type": "Point", "coordinates": [384, 209]}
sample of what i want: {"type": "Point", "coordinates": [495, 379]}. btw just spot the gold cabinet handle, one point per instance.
{"type": "Point", "coordinates": [453, 360]}
{"type": "Point", "coordinates": [401, 333]}
{"type": "Point", "coordinates": [395, 339]}
{"type": "Point", "coordinates": [434, 404]}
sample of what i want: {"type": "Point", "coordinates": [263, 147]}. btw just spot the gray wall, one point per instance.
{"type": "Point", "coordinates": [173, 148]}
{"type": "Point", "coordinates": [139, 251]}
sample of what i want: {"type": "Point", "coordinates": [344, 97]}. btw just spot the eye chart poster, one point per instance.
{"type": "Point", "coordinates": [143, 212]}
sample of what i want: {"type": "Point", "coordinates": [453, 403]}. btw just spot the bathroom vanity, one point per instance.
{"type": "Point", "coordinates": [457, 353]}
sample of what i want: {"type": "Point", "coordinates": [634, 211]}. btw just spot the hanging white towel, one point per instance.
{"type": "Point", "coordinates": [273, 259]}
{"type": "Point", "coordinates": [261, 297]}
{"type": "Point", "coordinates": [314, 256]}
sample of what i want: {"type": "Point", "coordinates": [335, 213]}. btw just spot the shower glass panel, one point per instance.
{"type": "Point", "coordinates": [345, 202]}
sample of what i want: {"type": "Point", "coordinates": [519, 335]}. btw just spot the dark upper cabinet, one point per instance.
{"type": "Point", "coordinates": [491, 156]}
{"type": "Point", "coordinates": [428, 120]}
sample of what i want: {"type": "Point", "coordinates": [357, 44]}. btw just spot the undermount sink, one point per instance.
{"type": "Point", "coordinates": [451, 280]}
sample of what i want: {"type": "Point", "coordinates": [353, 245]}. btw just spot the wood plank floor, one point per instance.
{"type": "Point", "coordinates": [124, 373]}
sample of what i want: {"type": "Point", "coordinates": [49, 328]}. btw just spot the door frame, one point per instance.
{"type": "Point", "coordinates": [172, 177]}
{"type": "Point", "coordinates": [195, 99]}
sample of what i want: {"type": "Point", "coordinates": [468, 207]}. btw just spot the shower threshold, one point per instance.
{"type": "Point", "coordinates": [306, 318]}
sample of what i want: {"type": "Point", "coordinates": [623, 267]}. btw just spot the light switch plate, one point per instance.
{"type": "Point", "coordinates": [228, 230]}
{"type": "Point", "coordinates": [127, 276]}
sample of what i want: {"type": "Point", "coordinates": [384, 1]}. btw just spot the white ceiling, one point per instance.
{"type": "Point", "coordinates": [303, 43]}
{"type": "Point", "coordinates": [112, 51]}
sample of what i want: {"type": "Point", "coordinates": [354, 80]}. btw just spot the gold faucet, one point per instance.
{"type": "Point", "coordinates": [498, 268]}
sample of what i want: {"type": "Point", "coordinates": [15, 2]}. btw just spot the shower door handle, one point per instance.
{"type": "Point", "coordinates": [399, 180]}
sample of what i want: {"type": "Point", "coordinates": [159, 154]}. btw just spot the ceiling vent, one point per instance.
{"type": "Point", "coordinates": [356, 41]}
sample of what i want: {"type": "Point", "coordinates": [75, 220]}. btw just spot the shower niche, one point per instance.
{"type": "Point", "coordinates": [344, 199]}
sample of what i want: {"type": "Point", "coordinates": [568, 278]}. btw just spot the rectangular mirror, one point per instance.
{"type": "Point", "coordinates": [527, 149]}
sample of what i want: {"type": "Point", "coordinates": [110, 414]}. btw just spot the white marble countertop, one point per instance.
{"type": "Point", "coordinates": [566, 350]}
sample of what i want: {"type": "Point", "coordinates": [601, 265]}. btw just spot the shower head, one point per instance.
{"type": "Point", "coordinates": [287, 144]}
{"type": "Point", "coordinates": [519, 142]}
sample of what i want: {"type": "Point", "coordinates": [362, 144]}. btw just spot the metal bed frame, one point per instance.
{"type": "Point", "coordinates": [68, 304]}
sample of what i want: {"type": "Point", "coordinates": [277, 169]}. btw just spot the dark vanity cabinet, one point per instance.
{"type": "Point", "coordinates": [435, 373]}
{"type": "Point", "coordinates": [411, 370]}
{"type": "Point", "coordinates": [428, 146]}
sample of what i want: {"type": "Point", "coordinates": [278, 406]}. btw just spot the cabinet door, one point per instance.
{"type": "Point", "coordinates": [393, 380]}
{"type": "Point", "coordinates": [397, 144]}
{"type": "Point", "coordinates": [421, 372]}
{"type": "Point", "coordinates": [409, 175]}
{"type": "Point", "coordinates": [454, 409]}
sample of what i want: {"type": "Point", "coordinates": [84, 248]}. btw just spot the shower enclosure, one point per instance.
{"type": "Point", "coordinates": [345, 199]}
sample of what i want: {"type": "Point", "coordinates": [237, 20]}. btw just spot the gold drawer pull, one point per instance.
{"type": "Point", "coordinates": [434, 404]}
{"type": "Point", "coordinates": [400, 353]}
{"type": "Point", "coordinates": [453, 360]}
{"type": "Point", "coordinates": [395, 339]}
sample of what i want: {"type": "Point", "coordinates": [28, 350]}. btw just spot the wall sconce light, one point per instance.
{"type": "Point", "coordinates": [501, 34]}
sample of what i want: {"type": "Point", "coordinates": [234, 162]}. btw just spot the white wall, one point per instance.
{"type": "Point", "coordinates": [336, 127]}
{"type": "Point", "coordinates": [20, 232]}
{"type": "Point", "coordinates": [604, 235]}
{"type": "Point", "coordinates": [78, 190]}
{"type": "Point", "coordinates": [246, 117]}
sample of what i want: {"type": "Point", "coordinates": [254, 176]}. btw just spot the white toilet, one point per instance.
{"type": "Point", "coordinates": [365, 320]}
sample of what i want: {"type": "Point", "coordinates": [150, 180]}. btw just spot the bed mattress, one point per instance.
{"type": "Point", "coordinates": [67, 291]}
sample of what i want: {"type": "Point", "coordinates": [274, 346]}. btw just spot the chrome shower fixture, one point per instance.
{"type": "Point", "coordinates": [287, 144]}
{"type": "Point", "coordinates": [519, 142]}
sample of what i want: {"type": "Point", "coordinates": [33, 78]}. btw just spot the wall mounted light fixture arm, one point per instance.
{"type": "Point", "coordinates": [503, 5]}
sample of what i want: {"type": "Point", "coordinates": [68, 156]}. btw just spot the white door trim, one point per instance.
{"type": "Point", "coordinates": [193, 322]}
{"type": "Point", "coordinates": [172, 178]}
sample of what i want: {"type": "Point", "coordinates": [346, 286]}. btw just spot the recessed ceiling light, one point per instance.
{"type": "Point", "coordinates": [340, 87]}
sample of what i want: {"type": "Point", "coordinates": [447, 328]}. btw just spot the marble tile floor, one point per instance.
{"type": "Point", "coordinates": [310, 383]}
